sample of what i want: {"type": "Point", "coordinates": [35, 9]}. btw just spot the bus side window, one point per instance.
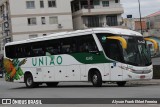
{"type": "Point", "coordinates": [52, 47]}
{"type": "Point", "coordinates": [112, 50]}
{"type": "Point", "coordinates": [66, 45]}
{"type": "Point", "coordinates": [10, 51]}
{"type": "Point", "coordinates": [73, 48]}
{"type": "Point", "coordinates": [87, 44]}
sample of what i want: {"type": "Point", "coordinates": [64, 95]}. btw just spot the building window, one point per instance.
{"type": "Point", "coordinates": [92, 21]}
{"type": "Point", "coordinates": [116, 1]}
{"type": "Point", "coordinates": [32, 21]}
{"type": "Point", "coordinates": [53, 20]}
{"type": "Point", "coordinates": [33, 36]}
{"type": "Point", "coordinates": [51, 3]}
{"type": "Point", "coordinates": [41, 4]}
{"type": "Point", "coordinates": [112, 20]}
{"type": "Point", "coordinates": [43, 20]}
{"type": "Point", "coordinates": [105, 3]}
{"type": "Point", "coordinates": [30, 4]}
{"type": "Point", "coordinates": [96, 2]}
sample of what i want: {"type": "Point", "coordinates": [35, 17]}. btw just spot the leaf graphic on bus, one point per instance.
{"type": "Point", "coordinates": [13, 69]}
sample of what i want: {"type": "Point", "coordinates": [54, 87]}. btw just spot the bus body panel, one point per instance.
{"type": "Point", "coordinates": [116, 72]}
{"type": "Point", "coordinates": [49, 74]}
{"type": "Point", "coordinates": [145, 75]}
{"type": "Point", "coordinates": [99, 67]}
{"type": "Point", "coordinates": [84, 73]}
{"type": "Point", "coordinates": [75, 67]}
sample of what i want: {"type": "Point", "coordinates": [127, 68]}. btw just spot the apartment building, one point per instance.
{"type": "Point", "coordinates": [96, 13]}
{"type": "Point", "coordinates": [24, 19]}
{"type": "Point", "coordinates": [153, 24]}
{"type": "Point", "coordinates": [135, 24]}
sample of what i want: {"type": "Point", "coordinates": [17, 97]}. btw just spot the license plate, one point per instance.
{"type": "Point", "coordinates": [142, 76]}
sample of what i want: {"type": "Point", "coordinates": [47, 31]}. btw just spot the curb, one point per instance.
{"type": "Point", "coordinates": [151, 82]}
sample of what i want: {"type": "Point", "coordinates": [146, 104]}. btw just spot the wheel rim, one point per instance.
{"type": "Point", "coordinates": [95, 78]}
{"type": "Point", "coordinates": [29, 81]}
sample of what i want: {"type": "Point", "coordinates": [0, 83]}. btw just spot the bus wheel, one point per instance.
{"type": "Point", "coordinates": [96, 79]}
{"type": "Point", "coordinates": [29, 81]}
{"type": "Point", "coordinates": [121, 83]}
{"type": "Point", "coordinates": [52, 84]}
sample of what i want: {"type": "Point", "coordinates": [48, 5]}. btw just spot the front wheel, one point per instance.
{"type": "Point", "coordinates": [96, 79]}
{"type": "Point", "coordinates": [121, 83]}
{"type": "Point", "coordinates": [29, 81]}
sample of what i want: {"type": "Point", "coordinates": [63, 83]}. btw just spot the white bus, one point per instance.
{"type": "Point", "coordinates": [97, 55]}
{"type": "Point", "coordinates": [154, 49]}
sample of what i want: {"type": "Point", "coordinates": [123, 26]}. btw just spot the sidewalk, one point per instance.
{"type": "Point", "coordinates": [146, 82]}
{"type": "Point", "coordinates": [2, 79]}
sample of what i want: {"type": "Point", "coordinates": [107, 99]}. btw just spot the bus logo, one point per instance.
{"type": "Point", "coordinates": [47, 60]}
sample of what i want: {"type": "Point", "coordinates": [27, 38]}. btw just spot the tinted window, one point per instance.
{"type": "Point", "coordinates": [112, 48]}
{"type": "Point", "coordinates": [68, 45]}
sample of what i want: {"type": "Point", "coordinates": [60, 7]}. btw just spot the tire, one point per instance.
{"type": "Point", "coordinates": [29, 81]}
{"type": "Point", "coordinates": [96, 79]}
{"type": "Point", "coordinates": [52, 84]}
{"type": "Point", "coordinates": [121, 84]}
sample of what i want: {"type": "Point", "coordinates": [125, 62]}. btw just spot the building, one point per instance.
{"type": "Point", "coordinates": [153, 24]}
{"type": "Point", "coordinates": [135, 24]}
{"type": "Point", "coordinates": [96, 13]}
{"type": "Point", "coordinates": [24, 19]}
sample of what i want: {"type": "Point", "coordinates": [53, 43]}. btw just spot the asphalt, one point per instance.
{"type": "Point", "coordinates": [139, 89]}
{"type": "Point", "coordinates": [148, 82]}
{"type": "Point", "coordinates": [138, 82]}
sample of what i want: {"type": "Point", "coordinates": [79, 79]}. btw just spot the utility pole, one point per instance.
{"type": "Point", "coordinates": [89, 6]}
{"type": "Point", "coordinates": [140, 16]}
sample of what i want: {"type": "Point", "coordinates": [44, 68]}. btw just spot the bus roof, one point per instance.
{"type": "Point", "coordinates": [118, 31]}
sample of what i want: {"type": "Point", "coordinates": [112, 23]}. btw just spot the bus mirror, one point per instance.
{"type": "Point", "coordinates": [121, 39]}
{"type": "Point", "coordinates": [154, 43]}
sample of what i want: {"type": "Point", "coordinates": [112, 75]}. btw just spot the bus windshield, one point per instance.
{"type": "Point", "coordinates": [135, 54]}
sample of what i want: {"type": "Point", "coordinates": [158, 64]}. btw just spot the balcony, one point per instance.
{"type": "Point", "coordinates": [98, 10]}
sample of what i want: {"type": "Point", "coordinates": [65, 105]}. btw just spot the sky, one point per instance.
{"type": "Point", "coordinates": [147, 7]}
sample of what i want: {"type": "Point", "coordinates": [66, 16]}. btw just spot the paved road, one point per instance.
{"type": "Point", "coordinates": [80, 90]}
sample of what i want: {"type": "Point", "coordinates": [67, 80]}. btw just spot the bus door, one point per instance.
{"type": "Point", "coordinates": [113, 51]}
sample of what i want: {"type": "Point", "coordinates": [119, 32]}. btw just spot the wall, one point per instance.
{"type": "Point", "coordinates": [19, 7]}
{"type": "Point", "coordinates": [20, 14]}
{"type": "Point", "coordinates": [20, 24]}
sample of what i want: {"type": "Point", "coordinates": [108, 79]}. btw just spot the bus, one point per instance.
{"type": "Point", "coordinates": [95, 55]}
{"type": "Point", "coordinates": [151, 42]}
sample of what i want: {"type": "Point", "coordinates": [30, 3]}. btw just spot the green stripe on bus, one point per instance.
{"type": "Point", "coordinates": [91, 58]}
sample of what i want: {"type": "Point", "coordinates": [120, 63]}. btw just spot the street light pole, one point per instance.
{"type": "Point", "coordinates": [140, 15]}
{"type": "Point", "coordinates": [89, 6]}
